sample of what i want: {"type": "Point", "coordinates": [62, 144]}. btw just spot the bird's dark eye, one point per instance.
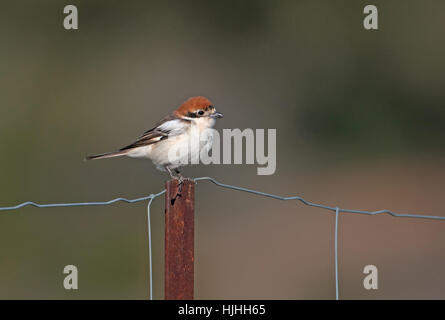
{"type": "Point", "coordinates": [200, 112]}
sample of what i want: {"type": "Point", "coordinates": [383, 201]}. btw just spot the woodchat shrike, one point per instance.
{"type": "Point", "coordinates": [173, 131]}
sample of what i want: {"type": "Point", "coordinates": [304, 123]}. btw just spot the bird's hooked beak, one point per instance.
{"type": "Point", "coordinates": [216, 115]}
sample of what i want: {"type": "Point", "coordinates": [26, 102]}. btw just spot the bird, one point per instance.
{"type": "Point", "coordinates": [173, 132]}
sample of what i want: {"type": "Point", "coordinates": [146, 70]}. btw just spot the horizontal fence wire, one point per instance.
{"type": "Point", "coordinates": [151, 197]}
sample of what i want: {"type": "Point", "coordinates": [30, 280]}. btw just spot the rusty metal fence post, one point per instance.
{"type": "Point", "coordinates": [179, 240]}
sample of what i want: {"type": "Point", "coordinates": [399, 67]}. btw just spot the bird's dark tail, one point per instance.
{"type": "Point", "coordinates": [107, 155]}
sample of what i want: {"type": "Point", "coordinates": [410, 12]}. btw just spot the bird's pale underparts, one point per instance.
{"type": "Point", "coordinates": [209, 143]}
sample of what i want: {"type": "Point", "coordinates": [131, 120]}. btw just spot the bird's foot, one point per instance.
{"type": "Point", "coordinates": [180, 179]}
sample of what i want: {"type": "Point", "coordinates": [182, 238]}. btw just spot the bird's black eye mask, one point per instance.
{"type": "Point", "coordinates": [196, 114]}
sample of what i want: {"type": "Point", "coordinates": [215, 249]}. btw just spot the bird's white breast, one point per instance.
{"type": "Point", "coordinates": [188, 143]}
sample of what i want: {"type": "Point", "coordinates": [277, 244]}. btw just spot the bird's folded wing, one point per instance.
{"type": "Point", "coordinates": [169, 126]}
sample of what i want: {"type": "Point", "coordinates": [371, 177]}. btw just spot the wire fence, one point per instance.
{"type": "Point", "coordinates": [151, 197]}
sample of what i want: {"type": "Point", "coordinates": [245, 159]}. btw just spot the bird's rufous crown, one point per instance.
{"type": "Point", "coordinates": [193, 104]}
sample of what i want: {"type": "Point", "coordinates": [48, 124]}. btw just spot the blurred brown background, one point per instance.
{"type": "Point", "coordinates": [360, 124]}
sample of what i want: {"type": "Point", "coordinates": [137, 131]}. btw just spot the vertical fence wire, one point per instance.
{"type": "Point", "coordinates": [336, 253]}
{"type": "Point", "coordinates": [150, 246]}
{"type": "Point", "coordinates": [150, 259]}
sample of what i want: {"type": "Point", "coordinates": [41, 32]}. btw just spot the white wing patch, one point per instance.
{"type": "Point", "coordinates": [174, 127]}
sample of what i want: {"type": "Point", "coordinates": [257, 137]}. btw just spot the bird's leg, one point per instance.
{"type": "Point", "coordinates": [178, 177]}
{"type": "Point", "coordinates": [181, 177]}
{"type": "Point", "coordinates": [170, 172]}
